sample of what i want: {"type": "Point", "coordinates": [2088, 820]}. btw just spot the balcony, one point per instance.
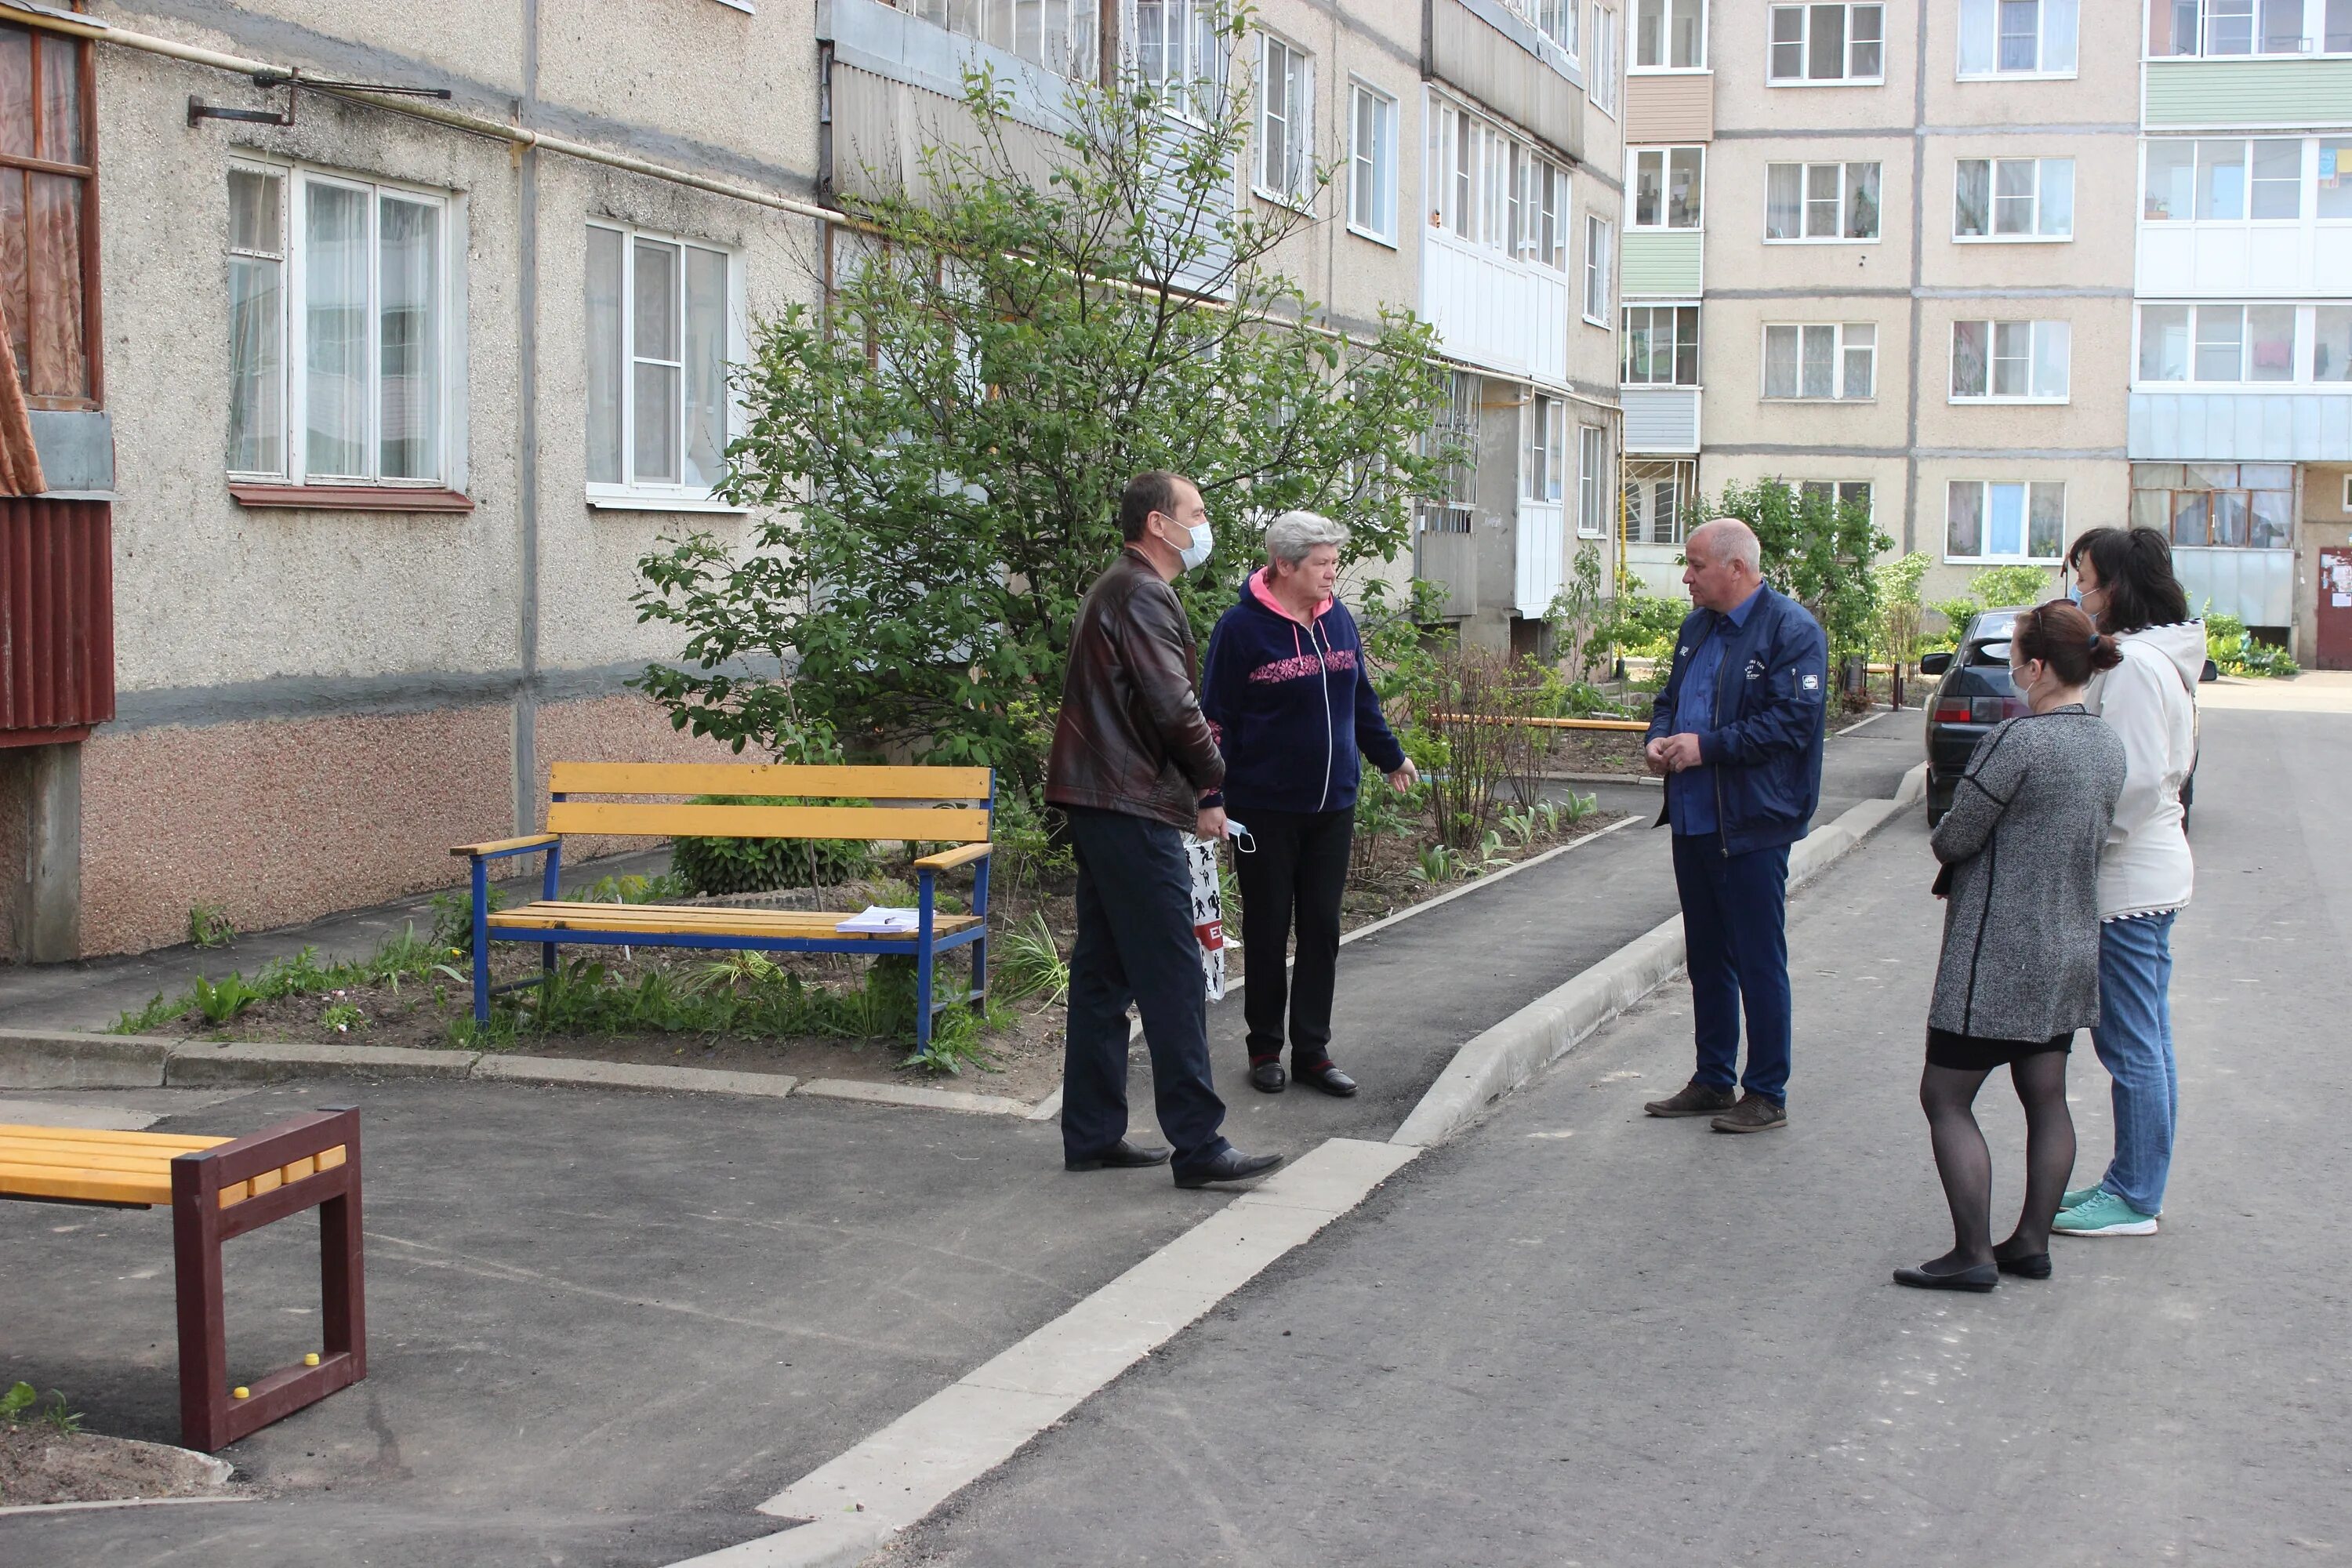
{"type": "Point", "coordinates": [1660, 418]}
{"type": "Point", "coordinates": [2229, 427]}
{"type": "Point", "coordinates": [1661, 264]}
{"type": "Point", "coordinates": [1669, 106]}
{"type": "Point", "coordinates": [1493, 311]}
{"type": "Point", "coordinates": [1539, 557]}
{"type": "Point", "coordinates": [2287, 90]}
{"type": "Point", "coordinates": [2255, 585]}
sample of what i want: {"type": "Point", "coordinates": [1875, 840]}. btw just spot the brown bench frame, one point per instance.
{"type": "Point", "coordinates": [211, 1417]}
{"type": "Point", "coordinates": [255, 1176]}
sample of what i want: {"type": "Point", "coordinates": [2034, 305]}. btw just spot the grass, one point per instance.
{"type": "Point", "coordinates": [1031, 963]}
{"type": "Point", "coordinates": [22, 1405]}
{"type": "Point", "coordinates": [401, 958]}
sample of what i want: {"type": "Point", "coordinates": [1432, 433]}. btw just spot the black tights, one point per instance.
{"type": "Point", "coordinates": [1948, 1097]}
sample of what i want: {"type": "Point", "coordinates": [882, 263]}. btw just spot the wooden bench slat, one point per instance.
{"type": "Point", "coordinates": [653, 920]}
{"type": "Point", "coordinates": [25, 1151]}
{"type": "Point", "coordinates": [89, 1187]}
{"type": "Point", "coordinates": [97, 1135]}
{"type": "Point", "coordinates": [768, 778]}
{"type": "Point", "coordinates": [947, 825]}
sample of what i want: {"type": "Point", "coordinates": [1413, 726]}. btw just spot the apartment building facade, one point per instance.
{"type": "Point", "coordinates": [399, 378]}
{"type": "Point", "coordinates": [2241, 415]}
{"type": "Point", "coordinates": [1857, 260]}
{"type": "Point", "coordinates": [1516, 228]}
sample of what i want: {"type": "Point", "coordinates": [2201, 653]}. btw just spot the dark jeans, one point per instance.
{"type": "Point", "coordinates": [1735, 930]}
{"type": "Point", "coordinates": [1294, 877]}
{"type": "Point", "coordinates": [1136, 943]}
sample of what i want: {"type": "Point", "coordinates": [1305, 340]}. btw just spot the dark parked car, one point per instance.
{"type": "Point", "coordinates": [1974, 695]}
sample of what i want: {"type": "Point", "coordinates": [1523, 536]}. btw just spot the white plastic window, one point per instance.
{"type": "Point", "coordinates": [340, 329]}
{"type": "Point", "coordinates": [659, 331]}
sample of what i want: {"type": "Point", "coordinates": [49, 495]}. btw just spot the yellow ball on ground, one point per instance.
{"type": "Point", "coordinates": [240, 1392]}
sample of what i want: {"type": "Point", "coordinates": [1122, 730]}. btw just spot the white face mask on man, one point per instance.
{"type": "Point", "coordinates": [1199, 542]}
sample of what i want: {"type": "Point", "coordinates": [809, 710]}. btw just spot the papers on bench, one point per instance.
{"type": "Point", "coordinates": [878, 920]}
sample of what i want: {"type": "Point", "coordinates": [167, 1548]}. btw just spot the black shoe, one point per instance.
{"type": "Point", "coordinates": [1983, 1277]}
{"type": "Point", "coordinates": [2026, 1265]}
{"type": "Point", "coordinates": [1694, 1099]}
{"type": "Point", "coordinates": [1121, 1156]}
{"type": "Point", "coordinates": [1268, 1077]}
{"type": "Point", "coordinates": [1233, 1165]}
{"type": "Point", "coordinates": [1327, 1078]}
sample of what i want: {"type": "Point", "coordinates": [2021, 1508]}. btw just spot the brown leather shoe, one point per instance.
{"type": "Point", "coordinates": [1694, 1099]}
{"type": "Point", "coordinates": [1754, 1113]}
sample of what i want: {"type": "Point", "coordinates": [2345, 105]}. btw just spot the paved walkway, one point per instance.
{"type": "Point", "coordinates": [1581, 1335]}
{"type": "Point", "coordinates": [605, 1325]}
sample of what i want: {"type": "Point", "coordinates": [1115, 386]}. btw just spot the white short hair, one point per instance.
{"type": "Point", "coordinates": [1726, 540]}
{"type": "Point", "coordinates": [1289, 537]}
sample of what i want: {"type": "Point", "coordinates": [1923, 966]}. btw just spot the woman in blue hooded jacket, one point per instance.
{"type": "Point", "coordinates": [1295, 712]}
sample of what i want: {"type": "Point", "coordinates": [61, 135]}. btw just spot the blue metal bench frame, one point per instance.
{"type": "Point", "coordinates": [924, 946]}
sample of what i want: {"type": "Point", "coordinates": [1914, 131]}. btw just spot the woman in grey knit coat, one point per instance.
{"type": "Point", "coordinates": [2019, 971]}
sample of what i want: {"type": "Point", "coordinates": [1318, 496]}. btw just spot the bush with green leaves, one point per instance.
{"type": "Point", "coordinates": [933, 455]}
{"type": "Point", "coordinates": [1816, 550]}
{"type": "Point", "coordinates": [1994, 588]}
{"type": "Point", "coordinates": [712, 865]}
{"type": "Point", "coordinates": [2236, 651]}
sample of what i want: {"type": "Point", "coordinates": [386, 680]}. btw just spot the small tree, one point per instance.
{"type": "Point", "coordinates": [935, 456]}
{"type": "Point", "coordinates": [1817, 550]}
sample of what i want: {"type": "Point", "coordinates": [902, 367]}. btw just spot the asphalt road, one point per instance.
{"type": "Point", "coordinates": [605, 1324]}
{"type": "Point", "coordinates": [1583, 1337]}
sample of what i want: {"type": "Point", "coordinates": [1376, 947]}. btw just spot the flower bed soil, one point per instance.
{"type": "Point", "coordinates": [39, 1463]}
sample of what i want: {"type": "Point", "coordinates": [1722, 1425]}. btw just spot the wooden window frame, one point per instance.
{"type": "Point", "coordinates": [93, 327]}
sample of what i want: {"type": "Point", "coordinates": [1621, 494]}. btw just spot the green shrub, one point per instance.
{"type": "Point", "coordinates": [718, 865]}
{"type": "Point", "coordinates": [2236, 651]}
{"type": "Point", "coordinates": [453, 920]}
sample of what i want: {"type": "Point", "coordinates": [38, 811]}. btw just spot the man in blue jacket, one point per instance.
{"type": "Point", "coordinates": [1738, 735]}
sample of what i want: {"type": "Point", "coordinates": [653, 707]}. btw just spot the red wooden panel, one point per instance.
{"type": "Point", "coordinates": [56, 614]}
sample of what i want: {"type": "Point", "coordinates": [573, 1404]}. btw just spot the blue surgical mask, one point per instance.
{"type": "Point", "coordinates": [2075, 594]}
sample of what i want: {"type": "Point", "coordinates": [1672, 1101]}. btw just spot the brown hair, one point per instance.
{"type": "Point", "coordinates": [2062, 636]}
{"type": "Point", "coordinates": [1154, 489]}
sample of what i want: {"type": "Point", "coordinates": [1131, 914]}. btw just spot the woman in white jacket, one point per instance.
{"type": "Point", "coordinates": [2125, 581]}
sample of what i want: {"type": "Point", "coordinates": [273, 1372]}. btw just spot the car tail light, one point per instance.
{"type": "Point", "coordinates": [1988, 711]}
{"type": "Point", "coordinates": [1951, 710]}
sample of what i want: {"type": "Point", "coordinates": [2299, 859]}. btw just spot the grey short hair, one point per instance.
{"type": "Point", "coordinates": [1728, 539]}
{"type": "Point", "coordinates": [1289, 537]}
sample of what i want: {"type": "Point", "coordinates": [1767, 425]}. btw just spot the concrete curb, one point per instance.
{"type": "Point", "coordinates": [1506, 1056]}
{"type": "Point", "coordinates": [62, 1058]}
{"type": "Point", "coordinates": [66, 1059]}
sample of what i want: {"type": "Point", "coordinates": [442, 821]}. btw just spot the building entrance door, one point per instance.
{"type": "Point", "coordinates": [2335, 638]}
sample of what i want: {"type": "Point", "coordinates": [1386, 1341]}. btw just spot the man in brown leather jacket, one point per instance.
{"type": "Point", "coordinates": [1135, 766]}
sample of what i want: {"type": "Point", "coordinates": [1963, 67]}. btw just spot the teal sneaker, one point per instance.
{"type": "Point", "coordinates": [2102, 1214]}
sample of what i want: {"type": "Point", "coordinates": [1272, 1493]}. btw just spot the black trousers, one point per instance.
{"type": "Point", "coordinates": [1292, 881]}
{"type": "Point", "coordinates": [1136, 943]}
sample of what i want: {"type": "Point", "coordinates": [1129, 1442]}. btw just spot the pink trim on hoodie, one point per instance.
{"type": "Point", "coordinates": [1265, 595]}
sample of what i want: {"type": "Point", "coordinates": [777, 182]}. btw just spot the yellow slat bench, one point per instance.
{"type": "Point", "coordinates": [219, 1188]}
{"type": "Point", "coordinates": [923, 804]}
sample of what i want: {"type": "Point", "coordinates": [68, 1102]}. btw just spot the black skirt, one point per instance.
{"type": "Point", "coordinates": [1973, 1053]}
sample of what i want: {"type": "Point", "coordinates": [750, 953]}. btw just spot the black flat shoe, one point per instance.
{"type": "Point", "coordinates": [2030, 1266]}
{"type": "Point", "coordinates": [1983, 1277]}
{"type": "Point", "coordinates": [1327, 1078]}
{"type": "Point", "coordinates": [1233, 1165]}
{"type": "Point", "coordinates": [1268, 1077]}
{"type": "Point", "coordinates": [1121, 1156]}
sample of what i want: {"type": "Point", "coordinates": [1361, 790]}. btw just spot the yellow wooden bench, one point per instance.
{"type": "Point", "coordinates": [922, 804]}
{"type": "Point", "coordinates": [219, 1188]}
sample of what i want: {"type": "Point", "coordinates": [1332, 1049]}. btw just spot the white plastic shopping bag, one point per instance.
{"type": "Point", "coordinates": [1208, 913]}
